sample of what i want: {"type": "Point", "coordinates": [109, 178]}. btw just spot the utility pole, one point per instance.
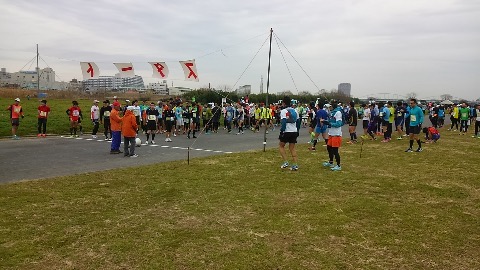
{"type": "Point", "coordinates": [38, 76]}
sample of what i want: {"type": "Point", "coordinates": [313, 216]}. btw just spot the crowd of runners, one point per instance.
{"type": "Point", "coordinates": [324, 120]}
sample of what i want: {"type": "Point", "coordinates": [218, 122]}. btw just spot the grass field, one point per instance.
{"type": "Point", "coordinates": [58, 121]}
{"type": "Point", "coordinates": [386, 210]}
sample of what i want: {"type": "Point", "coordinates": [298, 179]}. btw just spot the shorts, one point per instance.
{"type": "Point", "coordinates": [169, 125]}
{"type": "Point", "coordinates": [354, 124]}
{"type": "Point", "coordinates": [321, 129]}
{"type": "Point", "coordinates": [385, 123]}
{"type": "Point", "coordinates": [435, 137]}
{"type": "Point", "coordinates": [365, 124]}
{"type": "Point", "coordinates": [312, 124]}
{"type": "Point", "coordinates": [151, 125]}
{"type": "Point", "coordinates": [415, 129]}
{"type": "Point", "coordinates": [399, 122]}
{"type": "Point", "coordinates": [179, 121]}
{"type": "Point", "coordinates": [15, 122]}
{"type": "Point", "coordinates": [334, 141]}
{"type": "Point", "coordinates": [288, 137]}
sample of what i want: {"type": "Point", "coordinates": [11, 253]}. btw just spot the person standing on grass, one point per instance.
{"type": "Point", "coordinates": [476, 118]}
{"type": "Point", "coordinates": [16, 112]}
{"type": "Point", "coordinates": [105, 119]}
{"type": "Point", "coordinates": [464, 114]}
{"type": "Point", "coordinates": [352, 122]}
{"type": "Point", "coordinates": [75, 114]}
{"type": "Point", "coordinates": [416, 121]}
{"type": "Point", "coordinates": [288, 133]}
{"type": "Point", "coordinates": [399, 119]}
{"type": "Point", "coordinates": [95, 117]}
{"type": "Point", "coordinates": [321, 120]}
{"type": "Point", "coordinates": [116, 128]}
{"type": "Point", "coordinates": [387, 126]}
{"type": "Point", "coordinates": [365, 120]}
{"type": "Point", "coordinates": [454, 116]}
{"type": "Point", "coordinates": [43, 111]}
{"type": "Point", "coordinates": [129, 132]}
{"type": "Point", "coordinates": [334, 137]}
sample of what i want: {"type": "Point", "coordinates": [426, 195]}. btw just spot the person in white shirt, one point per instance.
{"type": "Point", "coordinates": [365, 119]}
{"type": "Point", "coordinates": [288, 133]}
{"type": "Point", "coordinates": [95, 117]}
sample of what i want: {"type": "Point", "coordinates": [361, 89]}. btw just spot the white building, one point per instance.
{"type": "Point", "coordinates": [30, 79]}
{"type": "Point", "coordinates": [113, 83]}
{"type": "Point", "coordinates": [345, 88]}
{"type": "Point", "coordinates": [159, 88]}
{"type": "Point", "coordinates": [244, 90]}
{"type": "Point", "coordinates": [178, 91]}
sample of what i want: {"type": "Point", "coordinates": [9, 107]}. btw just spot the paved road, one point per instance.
{"type": "Point", "coordinates": [36, 158]}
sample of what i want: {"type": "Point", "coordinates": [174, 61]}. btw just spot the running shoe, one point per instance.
{"type": "Point", "coordinates": [106, 138]}
{"type": "Point", "coordinates": [399, 138]}
{"type": "Point", "coordinates": [419, 149]}
{"type": "Point", "coordinates": [152, 142]}
{"type": "Point", "coordinates": [94, 136]}
{"type": "Point", "coordinates": [336, 168]}
{"type": "Point", "coordinates": [174, 134]}
{"type": "Point", "coordinates": [134, 155]}
{"type": "Point", "coordinates": [284, 165]}
{"type": "Point", "coordinates": [409, 150]}
{"type": "Point", "coordinates": [146, 142]}
{"type": "Point", "coordinates": [40, 135]}
{"type": "Point", "coordinates": [44, 135]}
{"type": "Point", "coordinates": [327, 164]}
{"type": "Point", "coordinates": [294, 168]}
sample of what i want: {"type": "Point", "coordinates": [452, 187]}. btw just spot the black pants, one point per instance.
{"type": "Point", "coordinates": [477, 127]}
{"type": "Point", "coordinates": [42, 123]}
{"type": "Point", "coordinates": [454, 122]}
{"type": "Point", "coordinates": [463, 125]}
{"type": "Point", "coordinates": [407, 125]}
{"type": "Point", "coordinates": [95, 127]}
{"type": "Point", "coordinates": [333, 152]}
{"type": "Point", "coordinates": [388, 133]}
{"type": "Point", "coordinates": [106, 126]}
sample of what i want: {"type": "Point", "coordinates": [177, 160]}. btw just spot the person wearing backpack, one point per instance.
{"type": "Point", "coordinates": [288, 134]}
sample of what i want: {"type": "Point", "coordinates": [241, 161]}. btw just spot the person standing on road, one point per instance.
{"type": "Point", "coordinates": [43, 111]}
{"type": "Point", "coordinates": [129, 132]}
{"type": "Point", "coordinates": [416, 121]}
{"type": "Point", "coordinates": [95, 117]}
{"type": "Point", "coordinates": [169, 122]}
{"type": "Point", "coordinates": [116, 128]}
{"type": "Point", "coordinates": [75, 114]}
{"type": "Point", "coordinates": [288, 134]}
{"type": "Point", "coordinates": [152, 120]}
{"type": "Point", "coordinates": [16, 112]}
{"type": "Point", "coordinates": [105, 119]}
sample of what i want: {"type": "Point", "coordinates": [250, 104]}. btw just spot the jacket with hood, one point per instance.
{"type": "Point", "coordinates": [129, 125]}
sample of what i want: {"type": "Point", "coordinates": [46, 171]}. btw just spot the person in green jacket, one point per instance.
{"type": "Point", "coordinates": [464, 116]}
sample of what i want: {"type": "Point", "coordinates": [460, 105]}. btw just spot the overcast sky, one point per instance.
{"type": "Point", "coordinates": [430, 47]}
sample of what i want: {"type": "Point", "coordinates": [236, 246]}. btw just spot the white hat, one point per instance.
{"type": "Point", "coordinates": [17, 99]}
{"type": "Point", "coordinates": [127, 100]}
{"type": "Point", "coordinates": [96, 101]}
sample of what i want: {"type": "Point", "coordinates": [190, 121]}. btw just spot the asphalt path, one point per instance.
{"type": "Point", "coordinates": [38, 158]}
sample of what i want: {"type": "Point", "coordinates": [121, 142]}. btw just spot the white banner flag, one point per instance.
{"type": "Point", "coordinates": [160, 70]}
{"type": "Point", "coordinates": [190, 70]}
{"type": "Point", "coordinates": [125, 69]}
{"type": "Point", "coordinates": [89, 70]}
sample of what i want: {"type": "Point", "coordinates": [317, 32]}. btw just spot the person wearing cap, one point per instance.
{"type": "Point", "coordinates": [129, 132]}
{"type": "Point", "coordinates": [116, 128]}
{"type": "Point", "coordinates": [16, 112]}
{"type": "Point", "coordinates": [105, 119]}
{"type": "Point", "coordinates": [335, 123]}
{"type": "Point", "coordinates": [43, 111]}
{"type": "Point", "coordinates": [95, 117]}
{"type": "Point", "coordinates": [74, 114]}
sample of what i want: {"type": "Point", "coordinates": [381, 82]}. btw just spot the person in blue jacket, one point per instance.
{"type": "Point", "coordinates": [416, 121]}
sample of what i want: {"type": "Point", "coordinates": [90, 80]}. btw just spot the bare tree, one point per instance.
{"type": "Point", "coordinates": [446, 97]}
{"type": "Point", "coordinates": [411, 95]}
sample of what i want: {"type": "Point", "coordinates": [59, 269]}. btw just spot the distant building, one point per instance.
{"type": "Point", "coordinates": [30, 79]}
{"type": "Point", "coordinates": [244, 90]}
{"type": "Point", "coordinates": [178, 91]}
{"type": "Point", "coordinates": [75, 85]}
{"type": "Point", "coordinates": [159, 88]}
{"type": "Point", "coordinates": [113, 83]}
{"type": "Point", "coordinates": [345, 89]}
